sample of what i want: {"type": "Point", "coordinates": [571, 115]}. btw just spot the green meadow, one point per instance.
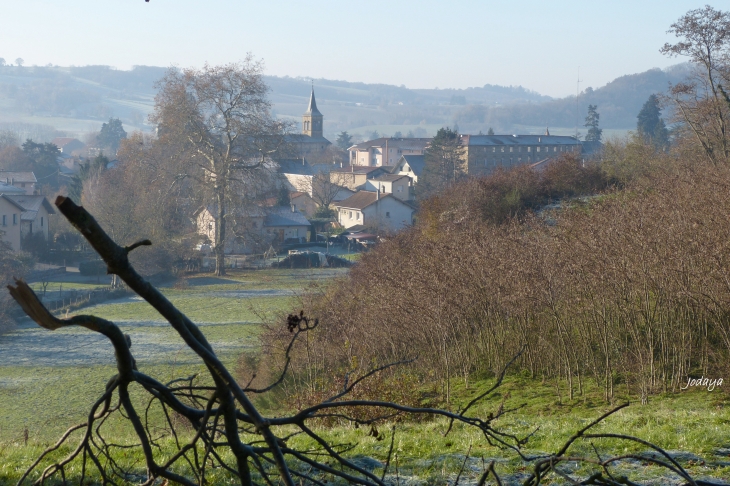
{"type": "Point", "coordinates": [49, 380]}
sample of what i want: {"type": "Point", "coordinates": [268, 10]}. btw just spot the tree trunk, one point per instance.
{"type": "Point", "coordinates": [220, 231]}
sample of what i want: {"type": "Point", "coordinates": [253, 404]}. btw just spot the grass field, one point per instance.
{"type": "Point", "coordinates": [49, 380]}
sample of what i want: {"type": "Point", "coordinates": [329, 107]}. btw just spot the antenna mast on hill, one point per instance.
{"type": "Point", "coordinates": [577, 111]}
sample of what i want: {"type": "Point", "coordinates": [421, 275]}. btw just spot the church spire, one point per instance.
{"type": "Point", "coordinates": [312, 109]}
{"type": "Point", "coordinates": [547, 131]}
{"type": "Point", "coordinates": [312, 119]}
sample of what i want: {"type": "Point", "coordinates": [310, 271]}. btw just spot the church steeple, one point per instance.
{"type": "Point", "coordinates": [312, 119]}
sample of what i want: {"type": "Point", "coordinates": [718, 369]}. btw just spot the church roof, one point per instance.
{"type": "Point", "coordinates": [312, 109]}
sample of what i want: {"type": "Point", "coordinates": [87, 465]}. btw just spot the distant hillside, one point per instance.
{"type": "Point", "coordinates": [619, 102]}
{"type": "Point", "coordinates": [79, 99]}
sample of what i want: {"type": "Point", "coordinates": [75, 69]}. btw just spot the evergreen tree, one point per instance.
{"type": "Point", "coordinates": [44, 157]}
{"type": "Point", "coordinates": [594, 133]}
{"type": "Point", "coordinates": [490, 131]}
{"type": "Point", "coordinates": [344, 140]}
{"type": "Point", "coordinates": [112, 134]}
{"type": "Point", "coordinates": [650, 125]}
{"type": "Point", "coordinates": [282, 196]}
{"type": "Point", "coordinates": [444, 163]}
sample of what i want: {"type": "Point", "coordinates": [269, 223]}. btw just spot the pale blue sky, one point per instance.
{"type": "Point", "coordinates": [421, 44]}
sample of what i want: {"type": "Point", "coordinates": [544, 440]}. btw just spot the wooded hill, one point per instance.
{"type": "Point", "coordinates": [78, 99]}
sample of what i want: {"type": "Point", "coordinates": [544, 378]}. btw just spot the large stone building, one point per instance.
{"type": "Point", "coordinates": [386, 151]}
{"type": "Point", "coordinates": [485, 153]}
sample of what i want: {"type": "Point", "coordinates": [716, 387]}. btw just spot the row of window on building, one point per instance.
{"type": "Point", "coordinates": [15, 220]}
{"type": "Point", "coordinates": [358, 214]}
{"type": "Point", "coordinates": [554, 148]}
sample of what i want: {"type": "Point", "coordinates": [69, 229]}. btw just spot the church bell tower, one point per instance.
{"type": "Point", "coordinates": [312, 119]}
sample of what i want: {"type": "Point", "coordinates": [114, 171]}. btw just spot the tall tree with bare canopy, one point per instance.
{"type": "Point", "coordinates": [222, 118]}
{"type": "Point", "coordinates": [701, 102]}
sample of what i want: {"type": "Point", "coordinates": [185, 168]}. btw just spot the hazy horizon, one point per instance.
{"type": "Point", "coordinates": [421, 45]}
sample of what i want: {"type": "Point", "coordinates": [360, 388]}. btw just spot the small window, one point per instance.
{"type": "Point", "coordinates": [387, 214]}
{"type": "Point", "coordinates": [400, 188]}
{"type": "Point", "coordinates": [15, 219]}
{"type": "Point", "coordinates": [350, 214]}
{"type": "Point", "coordinates": [494, 149]}
{"type": "Point", "coordinates": [5, 223]}
{"type": "Point", "coordinates": [511, 149]}
{"type": "Point", "coordinates": [210, 226]}
{"type": "Point", "coordinates": [529, 149]}
{"type": "Point", "coordinates": [41, 221]}
{"type": "Point", "coordinates": [358, 216]}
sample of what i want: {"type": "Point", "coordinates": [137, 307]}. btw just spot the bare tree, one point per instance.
{"type": "Point", "coordinates": [221, 114]}
{"type": "Point", "coordinates": [701, 102]}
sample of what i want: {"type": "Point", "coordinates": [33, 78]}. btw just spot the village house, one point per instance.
{"type": "Point", "coordinates": [253, 229]}
{"type": "Point", "coordinates": [23, 215]}
{"type": "Point", "coordinates": [283, 223]}
{"type": "Point", "coordinates": [398, 185]}
{"type": "Point", "coordinates": [300, 175]}
{"type": "Point", "coordinates": [251, 221]}
{"type": "Point", "coordinates": [303, 202]}
{"type": "Point", "coordinates": [374, 210]}
{"type": "Point", "coordinates": [354, 177]}
{"type": "Point", "coordinates": [22, 180]}
{"type": "Point", "coordinates": [410, 165]}
{"type": "Point", "coordinates": [10, 213]}
{"type": "Point", "coordinates": [386, 151]}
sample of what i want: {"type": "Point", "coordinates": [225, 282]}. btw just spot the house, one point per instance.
{"type": "Point", "coordinates": [355, 177]}
{"type": "Point", "coordinates": [300, 175]}
{"type": "Point", "coordinates": [33, 217]}
{"type": "Point", "coordinates": [374, 210]}
{"type": "Point", "coordinates": [22, 180]}
{"type": "Point", "coordinates": [12, 190]}
{"type": "Point", "coordinates": [386, 151]}
{"type": "Point", "coordinates": [342, 194]}
{"type": "Point", "coordinates": [247, 223]}
{"type": "Point", "coordinates": [485, 153]}
{"type": "Point", "coordinates": [303, 202]}
{"type": "Point", "coordinates": [283, 223]}
{"type": "Point", "coordinates": [410, 165]}
{"type": "Point", "coordinates": [398, 185]}
{"type": "Point", "coordinates": [10, 213]}
{"type": "Point", "coordinates": [69, 146]}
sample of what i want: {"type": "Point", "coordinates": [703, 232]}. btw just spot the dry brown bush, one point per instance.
{"type": "Point", "coordinates": [629, 288]}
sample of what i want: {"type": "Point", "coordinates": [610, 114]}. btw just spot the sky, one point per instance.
{"type": "Point", "coordinates": [541, 45]}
